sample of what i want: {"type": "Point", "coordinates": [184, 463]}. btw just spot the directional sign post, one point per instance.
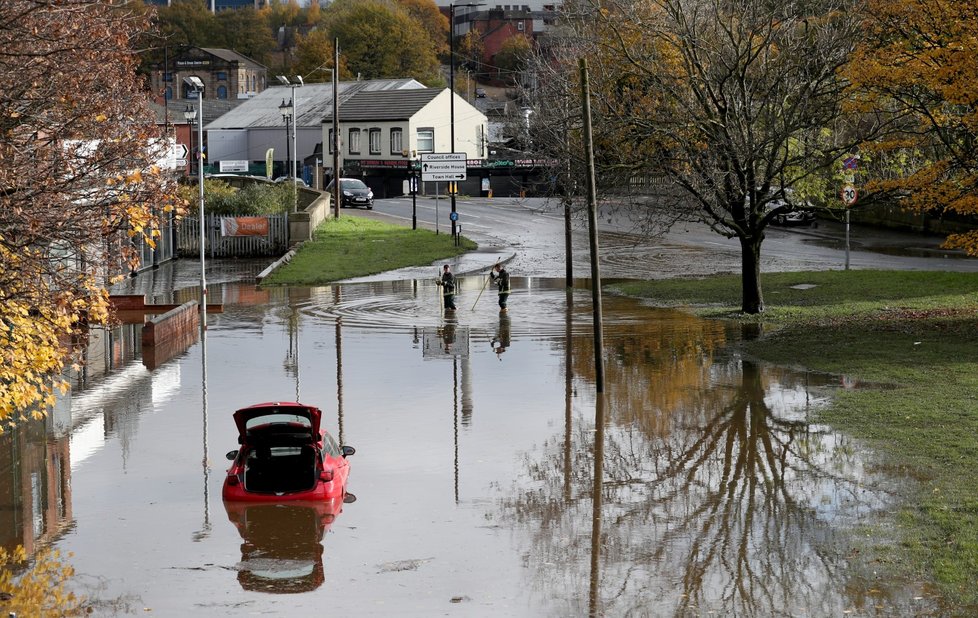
{"type": "Point", "coordinates": [443, 167]}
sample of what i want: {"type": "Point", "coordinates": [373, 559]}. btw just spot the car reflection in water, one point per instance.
{"type": "Point", "coordinates": [281, 549]}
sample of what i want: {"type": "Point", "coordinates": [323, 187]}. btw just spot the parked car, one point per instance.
{"type": "Point", "coordinates": [353, 192]}
{"type": "Point", "coordinates": [286, 455]}
{"type": "Point", "coordinates": [796, 212]}
{"type": "Point", "coordinates": [298, 181]}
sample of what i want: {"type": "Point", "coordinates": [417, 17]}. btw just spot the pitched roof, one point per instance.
{"type": "Point", "coordinates": [314, 102]}
{"type": "Point", "coordinates": [229, 55]}
{"type": "Point", "coordinates": [386, 105]}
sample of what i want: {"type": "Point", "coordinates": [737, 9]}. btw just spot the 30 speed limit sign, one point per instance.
{"type": "Point", "coordinates": [849, 195]}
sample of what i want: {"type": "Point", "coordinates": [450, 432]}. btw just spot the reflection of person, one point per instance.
{"type": "Point", "coordinates": [448, 336]}
{"type": "Point", "coordinates": [501, 341]}
{"type": "Point", "coordinates": [500, 276]}
{"type": "Point", "coordinates": [447, 282]}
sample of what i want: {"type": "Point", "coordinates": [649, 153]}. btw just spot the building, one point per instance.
{"type": "Point", "coordinates": [247, 132]}
{"type": "Point", "coordinates": [226, 74]}
{"type": "Point", "coordinates": [381, 134]}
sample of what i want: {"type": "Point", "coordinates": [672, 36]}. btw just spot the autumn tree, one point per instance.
{"type": "Point", "coordinates": [918, 66]}
{"type": "Point", "coordinates": [245, 31]}
{"type": "Point", "coordinates": [427, 13]}
{"type": "Point", "coordinates": [80, 175]}
{"type": "Point", "coordinates": [314, 57]}
{"type": "Point", "coordinates": [379, 39]}
{"type": "Point", "coordinates": [512, 58]}
{"type": "Point", "coordinates": [728, 103]}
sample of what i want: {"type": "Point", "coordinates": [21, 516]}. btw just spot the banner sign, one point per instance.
{"type": "Point", "coordinates": [244, 226]}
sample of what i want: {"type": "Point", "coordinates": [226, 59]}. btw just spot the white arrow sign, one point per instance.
{"type": "Point", "coordinates": [443, 166]}
{"type": "Point", "coordinates": [180, 151]}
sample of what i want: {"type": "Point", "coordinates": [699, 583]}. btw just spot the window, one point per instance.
{"type": "Point", "coordinates": [520, 26]}
{"type": "Point", "coordinates": [426, 140]}
{"type": "Point", "coordinates": [222, 92]}
{"type": "Point", "coordinates": [375, 141]}
{"type": "Point", "coordinates": [331, 141]}
{"type": "Point", "coordinates": [222, 76]}
{"type": "Point", "coordinates": [354, 141]}
{"type": "Point", "coordinates": [167, 77]}
{"type": "Point", "coordinates": [397, 144]}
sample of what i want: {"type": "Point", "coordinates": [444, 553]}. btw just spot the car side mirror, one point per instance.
{"type": "Point", "coordinates": [231, 455]}
{"type": "Point", "coordinates": [348, 450]}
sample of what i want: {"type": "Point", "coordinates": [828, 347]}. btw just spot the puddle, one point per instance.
{"type": "Point", "coordinates": [476, 439]}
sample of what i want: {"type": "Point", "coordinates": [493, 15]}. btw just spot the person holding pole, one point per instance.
{"type": "Point", "coordinates": [447, 282]}
{"type": "Point", "coordinates": [500, 276]}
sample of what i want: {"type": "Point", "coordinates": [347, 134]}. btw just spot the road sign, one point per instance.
{"type": "Point", "coordinates": [453, 216]}
{"type": "Point", "coordinates": [180, 151]}
{"type": "Point", "coordinates": [850, 163]}
{"type": "Point", "coordinates": [443, 166]}
{"type": "Point", "coordinates": [849, 195]}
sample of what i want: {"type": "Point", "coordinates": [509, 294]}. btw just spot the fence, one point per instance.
{"type": "Point", "coordinates": [276, 242]}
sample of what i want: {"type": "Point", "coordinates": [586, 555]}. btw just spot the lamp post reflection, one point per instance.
{"type": "Point", "coordinates": [594, 596]}
{"type": "Point", "coordinates": [205, 530]}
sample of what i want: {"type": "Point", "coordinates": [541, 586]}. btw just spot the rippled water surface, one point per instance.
{"type": "Point", "coordinates": [475, 467]}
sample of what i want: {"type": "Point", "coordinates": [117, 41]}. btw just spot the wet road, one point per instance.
{"type": "Point", "coordinates": [533, 229]}
{"type": "Point", "coordinates": [476, 439]}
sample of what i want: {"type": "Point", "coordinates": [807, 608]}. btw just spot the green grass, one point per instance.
{"type": "Point", "coordinates": [353, 246]}
{"type": "Point", "coordinates": [913, 338]}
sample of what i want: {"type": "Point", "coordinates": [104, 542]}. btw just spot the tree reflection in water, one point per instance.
{"type": "Point", "coordinates": [729, 502]}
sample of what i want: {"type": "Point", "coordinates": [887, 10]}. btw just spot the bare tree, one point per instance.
{"type": "Point", "coordinates": [724, 105]}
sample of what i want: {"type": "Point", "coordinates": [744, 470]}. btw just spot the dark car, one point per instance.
{"type": "Point", "coordinates": [353, 192]}
{"type": "Point", "coordinates": [792, 210]}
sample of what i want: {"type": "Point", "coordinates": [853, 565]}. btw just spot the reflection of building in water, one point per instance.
{"type": "Point", "coordinates": [108, 393]}
{"type": "Point", "coordinates": [35, 484]}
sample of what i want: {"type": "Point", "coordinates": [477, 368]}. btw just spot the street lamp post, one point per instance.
{"type": "Point", "coordinates": [190, 114]}
{"type": "Point", "coordinates": [451, 88]}
{"type": "Point", "coordinates": [295, 149]}
{"type": "Point", "coordinates": [196, 85]}
{"type": "Point", "coordinates": [286, 109]}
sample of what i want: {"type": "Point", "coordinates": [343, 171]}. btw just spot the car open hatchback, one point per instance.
{"type": "Point", "coordinates": [286, 455]}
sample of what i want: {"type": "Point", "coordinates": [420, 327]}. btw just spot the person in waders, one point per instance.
{"type": "Point", "coordinates": [447, 283]}
{"type": "Point", "coordinates": [500, 276]}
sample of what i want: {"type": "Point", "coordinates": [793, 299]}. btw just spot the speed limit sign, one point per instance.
{"type": "Point", "coordinates": [849, 195]}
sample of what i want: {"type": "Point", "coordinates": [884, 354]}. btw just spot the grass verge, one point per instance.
{"type": "Point", "coordinates": [916, 335]}
{"type": "Point", "coordinates": [353, 246]}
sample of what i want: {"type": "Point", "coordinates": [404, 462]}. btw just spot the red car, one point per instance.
{"type": "Point", "coordinates": [285, 455]}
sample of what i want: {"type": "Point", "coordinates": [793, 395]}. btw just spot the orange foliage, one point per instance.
{"type": "Point", "coordinates": [920, 63]}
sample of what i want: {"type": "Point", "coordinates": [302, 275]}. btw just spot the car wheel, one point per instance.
{"type": "Point", "coordinates": [370, 207]}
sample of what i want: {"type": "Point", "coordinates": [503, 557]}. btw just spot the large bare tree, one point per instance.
{"type": "Point", "coordinates": [726, 104]}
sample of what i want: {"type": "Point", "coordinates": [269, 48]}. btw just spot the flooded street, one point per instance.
{"type": "Point", "coordinates": [474, 474]}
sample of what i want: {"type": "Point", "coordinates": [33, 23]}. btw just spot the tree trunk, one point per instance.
{"type": "Point", "coordinates": [752, 300]}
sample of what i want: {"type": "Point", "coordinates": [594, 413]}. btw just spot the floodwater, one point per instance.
{"type": "Point", "coordinates": [474, 475]}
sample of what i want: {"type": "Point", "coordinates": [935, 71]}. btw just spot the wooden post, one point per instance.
{"type": "Point", "coordinates": [592, 219]}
